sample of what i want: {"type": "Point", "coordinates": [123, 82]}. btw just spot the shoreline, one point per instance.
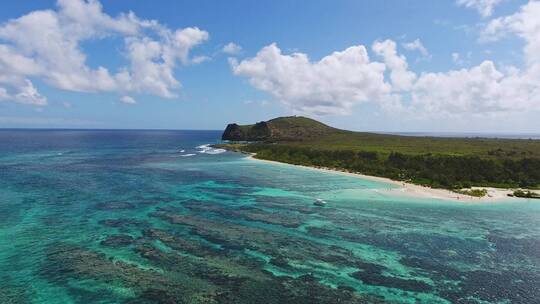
{"type": "Point", "coordinates": [412, 190]}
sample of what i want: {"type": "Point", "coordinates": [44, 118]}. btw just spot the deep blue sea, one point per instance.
{"type": "Point", "coordinates": [160, 217]}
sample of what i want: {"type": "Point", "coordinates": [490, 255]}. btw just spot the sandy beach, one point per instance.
{"type": "Point", "coordinates": [493, 194]}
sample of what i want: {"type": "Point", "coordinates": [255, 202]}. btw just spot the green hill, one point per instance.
{"type": "Point", "coordinates": [292, 128]}
{"type": "Point", "coordinates": [434, 161]}
{"type": "Point", "coordinates": [302, 131]}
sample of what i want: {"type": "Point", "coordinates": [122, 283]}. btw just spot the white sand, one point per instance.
{"type": "Point", "coordinates": [493, 194]}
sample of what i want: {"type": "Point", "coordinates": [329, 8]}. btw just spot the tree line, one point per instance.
{"type": "Point", "coordinates": [435, 170]}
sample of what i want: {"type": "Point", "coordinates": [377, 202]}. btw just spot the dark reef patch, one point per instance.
{"type": "Point", "coordinates": [279, 262]}
{"type": "Point", "coordinates": [180, 243]}
{"type": "Point", "coordinates": [436, 269]}
{"type": "Point", "coordinates": [117, 240]}
{"type": "Point", "coordinates": [519, 287]}
{"type": "Point", "coordinates": [247, 213]}
{"type": "Point", "coordinates": [123, 222]}
{"type": "Point", "coordinates": [522, 247]}
{"type": "Point", "coordinates": [378, 279]}
{"type": "Point", "coordinates": [66, 261]}
{"type": "Point", "coordinates": [318, 231]}
{"type": "Point", "coordinates": [237, 237]}
{"type": "Point", "coordinates": [12, 294]}
{"type": "Point", "coordinates": [116, 205]}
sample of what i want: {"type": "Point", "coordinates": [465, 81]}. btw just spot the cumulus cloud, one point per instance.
{"type": "Point", "coordinates": [128, 99]}
{"type": "Point", "coordinates": [525, 24]}
{"type": "Point", "coordinates": [21, 90]}
{"type": "Point", "coordinates": [486, 88]}
{"type": "Point", "coordinates": [483, 7]}
{"type": "Point", "coordinates": [343, 79]}
{"type": "Point", "coordinates": [232, 48]}
{"type": "Point", "coordinates": [400, 76]}
{"type": "Point", "coordinates": [14, 85]}
{"type": "Point", "coordinates": [416, 45]}
{"type": "Point", "coordinates": [46, 45]}
{"type": "Point", "coordinates": [331, 85]}
{"type": "Point", "coordinates": [460, 91]}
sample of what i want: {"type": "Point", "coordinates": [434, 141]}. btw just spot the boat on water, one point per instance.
{"type": "Point", "coordinates": [319, 202]}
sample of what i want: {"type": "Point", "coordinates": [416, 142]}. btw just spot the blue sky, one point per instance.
{"type": "Point", "coordinates": [403, 66]}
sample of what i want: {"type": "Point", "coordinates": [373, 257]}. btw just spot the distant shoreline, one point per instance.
{"type": "Point", "coordinates": [411, 190]}
{"type": "Point", "coordinates": [469, 135]}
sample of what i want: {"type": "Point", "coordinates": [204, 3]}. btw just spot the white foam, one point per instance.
{"type": "Point", "coordinates": [204, 147]}
{"type": "Point", "coordinates": [182, 151]}
{"type": "Point", "coordinates": [209, 150]}
{"type": "Point", "coordinates": [216, 151]}
{"type": "Point", "coordinates": [187, 155]}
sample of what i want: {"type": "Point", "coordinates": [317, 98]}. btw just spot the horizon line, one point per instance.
{"type": "Point", "coordinates": [404, 133]}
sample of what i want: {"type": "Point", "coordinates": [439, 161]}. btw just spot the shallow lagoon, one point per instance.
{"type": "Point", "coordinates": [125, 217]}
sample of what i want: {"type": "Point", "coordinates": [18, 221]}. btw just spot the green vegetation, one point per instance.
{"type": "Point", "coordinates": [452, 163]}
{"type": "Point", "coordinates": [284, 129]}
{"type": "Point", "coordinates": [473, 192]}
{"type": "Point", "coordinates": [526, 194]}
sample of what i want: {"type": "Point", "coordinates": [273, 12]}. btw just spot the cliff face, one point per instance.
{"type": "Point", "coordinates": [278, 129]}
{"type": "Point", "coordinates": [257, 132]}
{"type": "Point", "coordinates": [234, 132]}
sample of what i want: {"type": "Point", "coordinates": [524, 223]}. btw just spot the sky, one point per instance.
{"type": "Point", "coordinates": [393, 66]}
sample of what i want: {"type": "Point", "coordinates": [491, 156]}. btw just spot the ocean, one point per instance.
{"type": "Point", "coordinates": [469, 135]}
{"type": "Point", "coordinates": [104, 216]}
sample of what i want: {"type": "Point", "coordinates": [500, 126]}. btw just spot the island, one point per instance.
{"type": "Point", "coordinates": [463, 165]}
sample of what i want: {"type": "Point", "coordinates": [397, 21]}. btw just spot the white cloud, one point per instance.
{"type": "Point", "coordinates": [484, 88]}
{"type": "Point", "coordinates": [525, 24]}
{"type": "Point", "coordinates": [128, 99]}
{"type": "Point", "coordinates": [46, 45]}
{"type": "Point", "coordinates": [14, 85]}
{"type": "Point", "coordinates": [343, 79]}
{"type": "Point", "coordinates": [232, 48]}
{"type": "Point", "coordinates": [331, 85]}
{"type": "Point", "coordinates": [522, 85]}
{"type": "Point", "coordinates": [200, 59]}
{"type": "Point", "coordinates": [483, 7]}
{"type": "Point", "coordinates": [16, 63]}
{"type": "Point", "coordinates": [20, 90]}
{"type": "Point", "coordinates": [416, 45]}
{"type": "Point", "coordinates": [460, 91]}
{"type": "Point", "coordinates": [400, 76]}
{"type": "Point", "coordinates": [456, 58]}
{"type": "Point", "coordinates": [28, 94]}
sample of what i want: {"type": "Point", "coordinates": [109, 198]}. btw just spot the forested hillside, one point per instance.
{"type": "Point", "coordinates": [433, 161]}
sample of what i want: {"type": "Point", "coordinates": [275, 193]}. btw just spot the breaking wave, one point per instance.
{"type": "Point", "coordinates": [187, 155]}
{"type": "Point", "coordinates": [207, 149]}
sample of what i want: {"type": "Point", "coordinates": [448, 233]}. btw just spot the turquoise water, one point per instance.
{"type": "Point", "coordinates": [145, 217]}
